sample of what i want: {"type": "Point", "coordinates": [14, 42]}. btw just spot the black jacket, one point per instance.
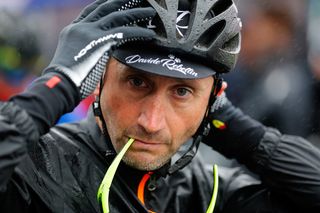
{"type": "Point", "coordinates": [62, 172]}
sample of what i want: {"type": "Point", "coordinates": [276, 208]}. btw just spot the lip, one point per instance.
{"type": "Point", "coordinates": [138, 143]}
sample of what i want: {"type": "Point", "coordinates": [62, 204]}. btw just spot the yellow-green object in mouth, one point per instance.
{"type": "Point", "coordinates": [104, 189]}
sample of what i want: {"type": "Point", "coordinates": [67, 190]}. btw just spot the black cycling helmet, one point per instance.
{"type": "Point", "coordinates": [198, 38]}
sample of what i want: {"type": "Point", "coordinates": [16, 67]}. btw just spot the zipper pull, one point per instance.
{"type": "Point", "coordinates": [152, 184]}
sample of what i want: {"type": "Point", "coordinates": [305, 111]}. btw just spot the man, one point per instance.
{"type": "Point", "coordinates": [160, 88]}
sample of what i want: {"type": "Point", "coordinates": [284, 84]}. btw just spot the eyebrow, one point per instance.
{"type": "Point", "coordinates": [191, 82]}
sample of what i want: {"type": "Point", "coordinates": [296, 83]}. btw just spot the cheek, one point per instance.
{"type": "Point", "coordinates": [111, 110]}
{"type": "Point", "coordinates": [116, 116]}
{"type": "Point", "coordinates": [188, 122]}
{"type": "Point", "coordinates": [117, 112]}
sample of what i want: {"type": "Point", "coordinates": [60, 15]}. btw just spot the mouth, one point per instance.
{"type": "Point", "coordinates": [146, 144]}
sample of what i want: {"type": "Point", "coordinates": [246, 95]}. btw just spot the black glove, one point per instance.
{"type": "Point", "coordinates": [80, 59]}
{"type": "Point", "coordinates": [232, 133]}
{"type": "Point", "coordinates": [84, 46]}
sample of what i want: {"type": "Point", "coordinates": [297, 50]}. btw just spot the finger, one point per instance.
{"type": "Point", "coordinates": [132, 34]}
{"type": "Point", "coordinates": [223, 88]}
{"type": "Point", "coordinates": [109, 7]}
{"type": "Point", "coordinates": [88, 9]}
{"type": "Point", "coordinates": [103, 10]}
{"type": "Point", "coordinates": [127, 18]}
{"type": "Point", "coordinates": [131, 4]}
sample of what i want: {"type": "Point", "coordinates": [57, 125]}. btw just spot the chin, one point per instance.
{"type": "Point", "coordinates": [144, 164]}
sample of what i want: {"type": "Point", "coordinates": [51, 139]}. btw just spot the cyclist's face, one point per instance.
{"type": "Point", "coordinates": [161, 113]}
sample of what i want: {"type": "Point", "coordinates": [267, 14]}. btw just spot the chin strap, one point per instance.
{"type": "Point", "coordinates": [97, 109]}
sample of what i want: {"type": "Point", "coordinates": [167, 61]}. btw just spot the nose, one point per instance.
{"type": "Point", "coordinates": [152, 114]}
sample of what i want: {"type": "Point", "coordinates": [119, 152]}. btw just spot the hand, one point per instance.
{"type": "Point", "coordinates": [232, 133]}
{"type": "Point", "coordinates": [84, 46]}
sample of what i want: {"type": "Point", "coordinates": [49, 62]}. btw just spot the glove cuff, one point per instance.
{"type": "Point", "coordinates": [48, 98]}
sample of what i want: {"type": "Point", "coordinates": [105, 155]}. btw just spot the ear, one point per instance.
{"type": "Point", "coordinates": [223, 88]}
{"type": "Point", "coordinates": [96, 92]}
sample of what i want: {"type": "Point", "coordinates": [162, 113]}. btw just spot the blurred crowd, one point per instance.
{"type": "Point", "coordinates": [276, 81]}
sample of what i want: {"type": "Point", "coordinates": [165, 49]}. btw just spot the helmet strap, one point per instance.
{"type": "Point", "coordinates": [202, 131]}
{"type": "Point", "coordinates": [97, 109]}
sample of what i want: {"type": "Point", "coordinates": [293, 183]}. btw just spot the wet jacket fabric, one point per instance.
{"type": "Point", "coordinates": [63, 170]}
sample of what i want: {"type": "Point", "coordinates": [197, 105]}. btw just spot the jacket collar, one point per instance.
{"type": "Point", "coordinates": [98, 141]}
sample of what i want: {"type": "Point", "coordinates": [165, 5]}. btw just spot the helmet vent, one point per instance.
{"type": "Point", "coordinates": [211, 34]}
{"type": "Point", "coordinates": [163, 4]}
{"type": "Point", "coordinates": [219, 7]}
{"type": "Point", "coordinates": [158, 26]}
{"type": "Point", "coordinates": [206, 29]}
{"type": "Point", "coordinates": [233, 44]}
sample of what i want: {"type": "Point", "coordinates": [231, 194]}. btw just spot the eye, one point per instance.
{"type": "Point", "coordinates": [183, 92]}
{"type": "Point", "coordinates": [137, 82]}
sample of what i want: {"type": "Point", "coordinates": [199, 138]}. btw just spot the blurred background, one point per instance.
{"type": "Point", "coordinates": [276, 81]}
{"type": "Point", "coordinates": [29, 31]}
